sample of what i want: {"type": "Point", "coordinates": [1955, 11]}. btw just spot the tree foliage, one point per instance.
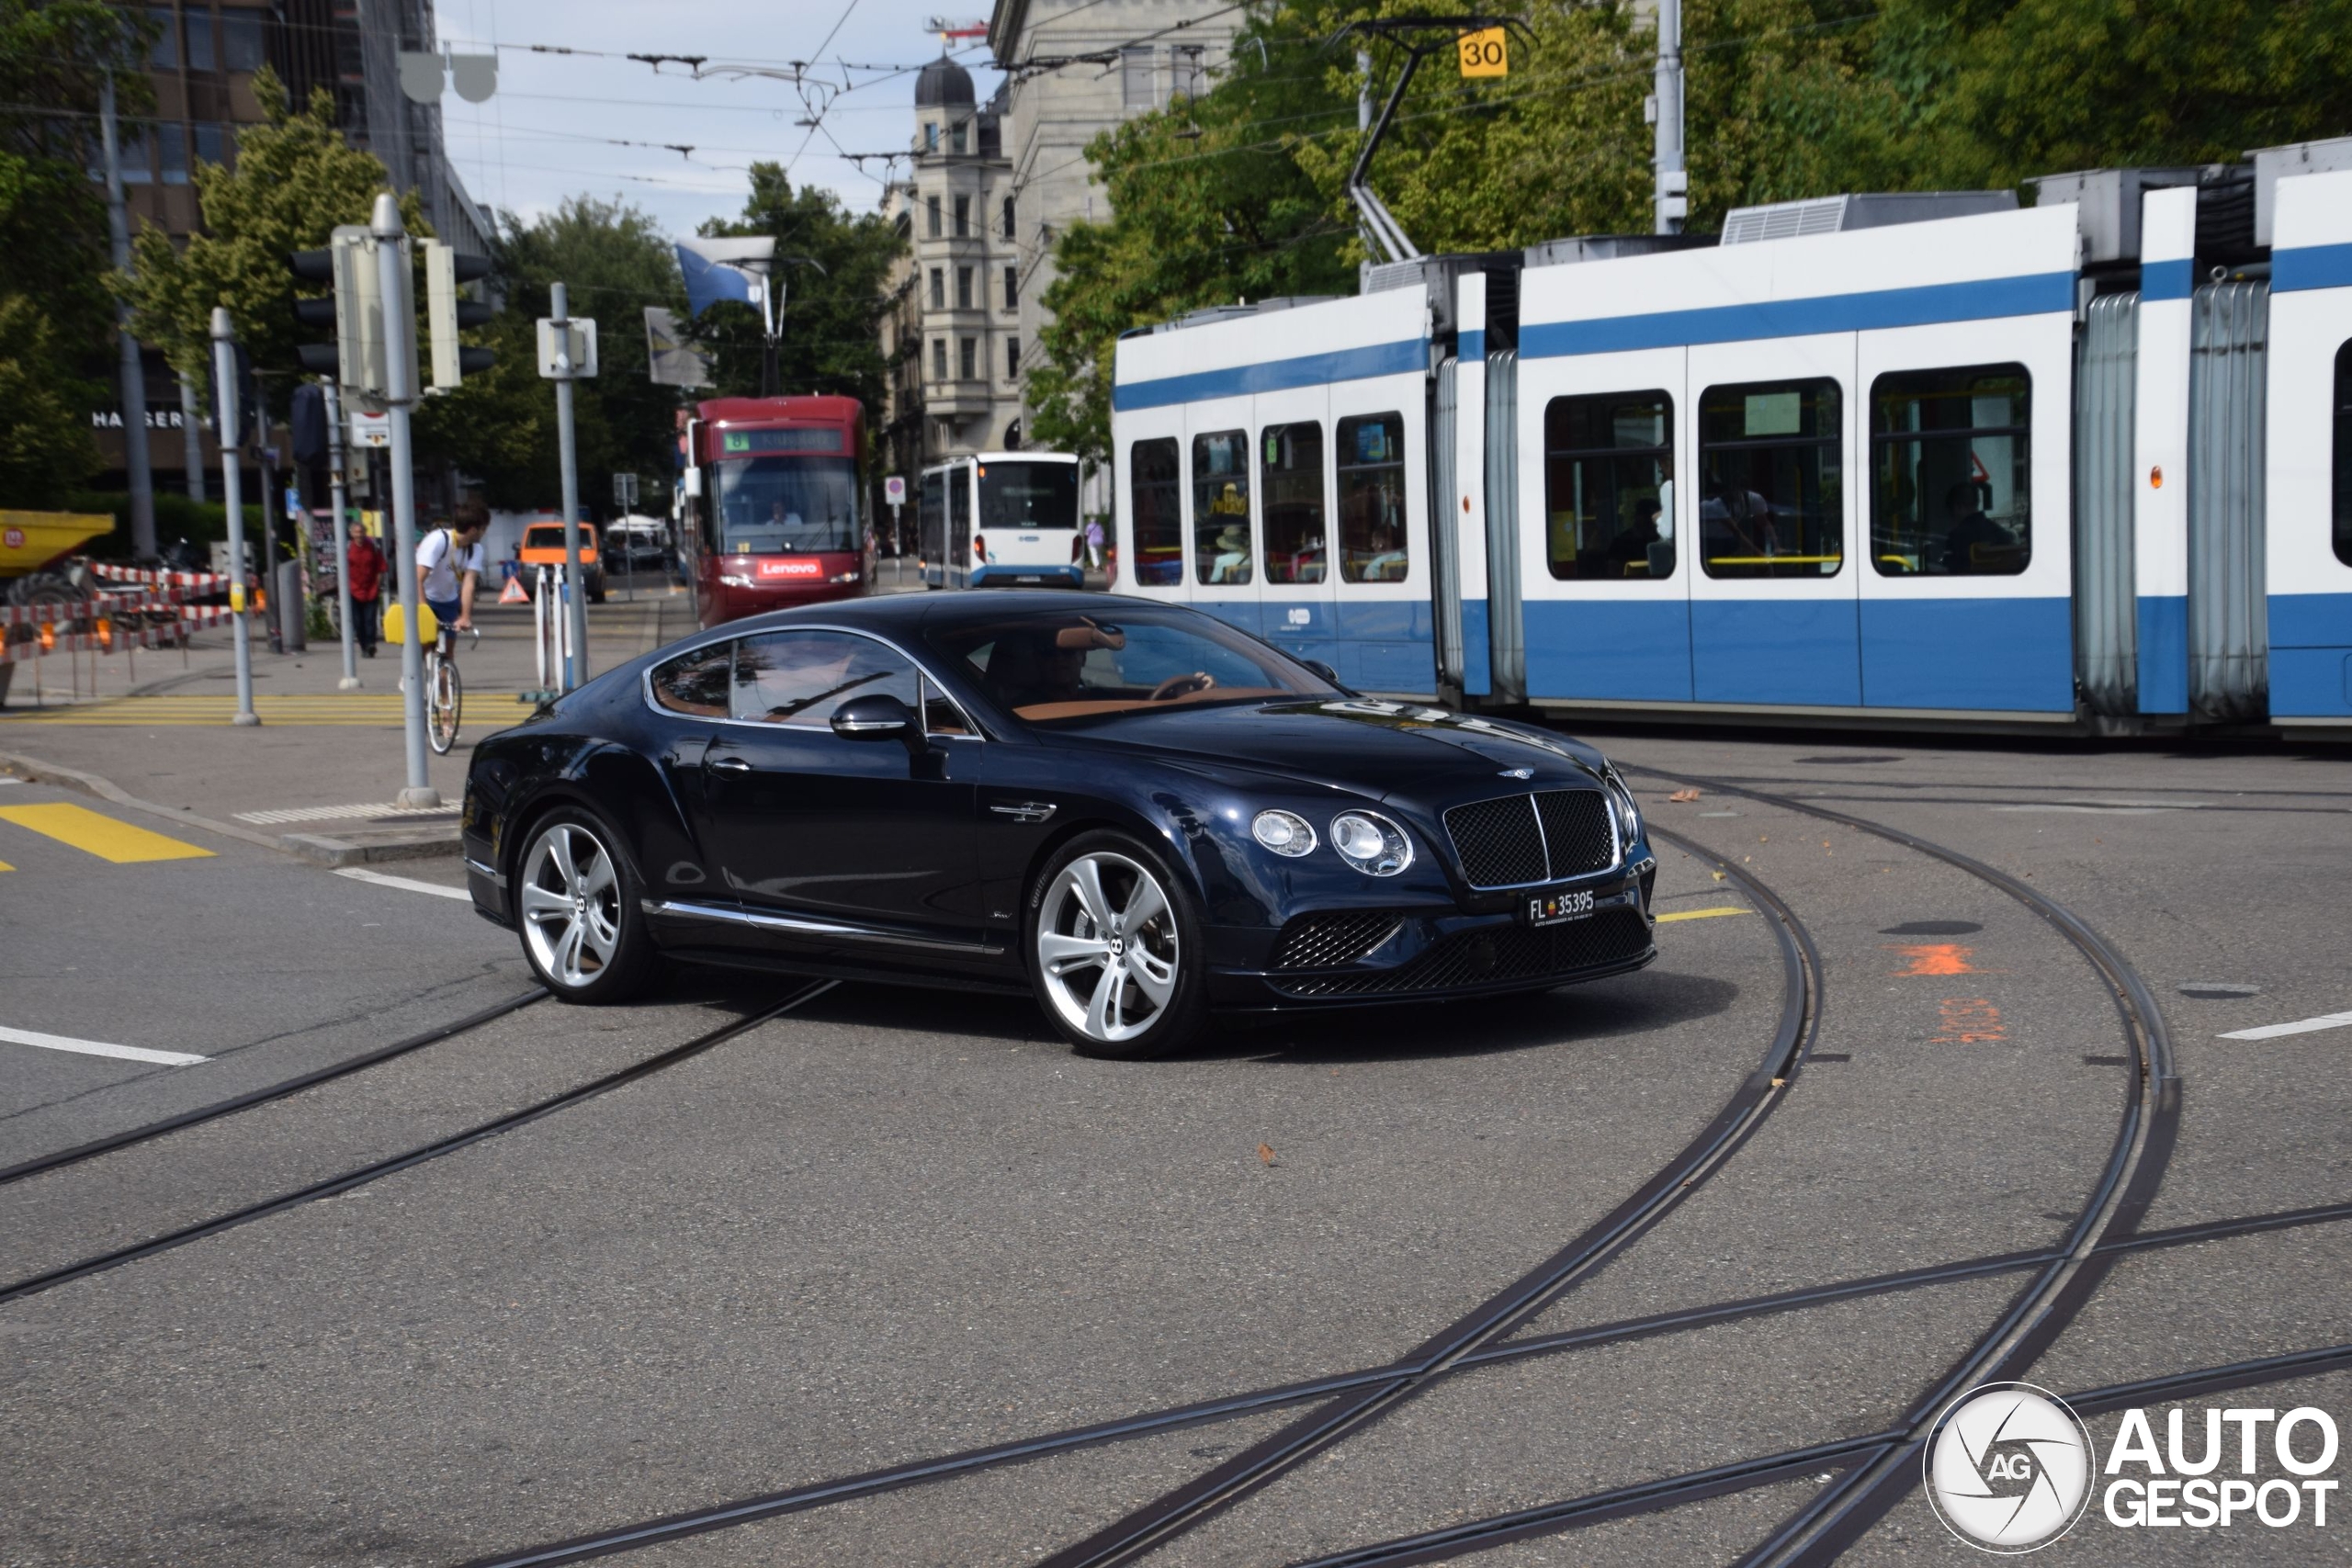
{"type": "Point", "coordinates": [500, 426]}
{"type": "Point", "coordinates": [295, 179]}
{"type": "Point", "coordinates": [56, 318]}
{"type": "Point", "coordinates": [1242, 192]}
{"type": "Point", "coordinates": [830, 336]}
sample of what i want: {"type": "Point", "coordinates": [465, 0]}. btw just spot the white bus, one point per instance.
{"type": "Point", "coordinates": [1001, 519]}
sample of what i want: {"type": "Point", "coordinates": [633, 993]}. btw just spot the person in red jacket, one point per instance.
{"type": "Point", "coordinates": [367, 566]}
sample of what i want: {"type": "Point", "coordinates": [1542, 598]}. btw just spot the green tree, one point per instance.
{"type": "Point", "coordinates": [56, 318]}
{"type": "Point", "coordinates": [500, 426]}
{"type": "Point", "coordinates": [294, 181]}
{"type": "Point", "coordinates": [830, 331]}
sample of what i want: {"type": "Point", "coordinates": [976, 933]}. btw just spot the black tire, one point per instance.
{"type": "Point", "coordinates": [589, 976]}
{"type": "Point", "coordinates": [1155, 968]}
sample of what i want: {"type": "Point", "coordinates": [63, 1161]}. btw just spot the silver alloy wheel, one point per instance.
{"type": "Point", "coordinates": [571, 905]}
{"type": "Point", "coordinates": [1107, 946]}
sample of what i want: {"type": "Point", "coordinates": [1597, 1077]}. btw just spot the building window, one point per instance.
{"type": "Point", "coordinates": [1951, 472]}
{"type": "Point", "coordinates": [241, 37]}
{"type": "Point", "coordinates": [1155, 488]}
{"type": "Point", "coordinates": [931, 136]}
{"type": "Point", "coordinates": [171, 148]}
{"type": "Point", "coordinates": [963, 287]}
{"type": "Point", "coordinates": [931, 211]}
{"type": "Point", "coordinates": [199, 39]}
{"type": "Point", "coordinates": [211, 145]}
{"type": "Point", "coordinates": [1771, 479]}
{"type": "Point", "coordinates": [1296, 551]}
{"type": "Point", "coordinates": [968, 358]}
{"type": "Point", "coordinates": [939, 359]}
{"type": "Point", "coordinates": [1012, 288]}
{"type": "Point", "coordinates": [1607, 459]}
{"type": "Point", "coordinates": [132, 147]}
{"type": "Point", "coordinates": [164, 55]}
{"type": "Point", "coordinates": [1192, 79]}
{"type": "Point", "coordinates": [1008, 218]}
{"type": "Point", "coordinates": [1135, 78]}
{"type": "Point", "coordinates": [938, 288]}
{"type": "Point", "coordinates": [1012, 360]}
{"type": "Point", "coordinates": [957, 134]}
{"type": "Point", "coordinates": [1221, 506]}
{"type": "Point", "coordinates": [963, 217]}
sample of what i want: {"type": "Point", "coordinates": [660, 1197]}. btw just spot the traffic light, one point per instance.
{"type": "Point", "coordinates": [446, 314]}
{"type": "Point", "coordinates": [355, 310]}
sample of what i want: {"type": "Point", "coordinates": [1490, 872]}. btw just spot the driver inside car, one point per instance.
{"type": "Point", "coordinates": [1030, 669]}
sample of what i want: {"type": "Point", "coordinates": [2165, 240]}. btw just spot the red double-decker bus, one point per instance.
{"type": "Point", "coordinates": [776, 515]}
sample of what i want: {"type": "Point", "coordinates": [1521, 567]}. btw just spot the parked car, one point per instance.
{"type": "Point", "coordinates": [1129, 810]}
{"type": "Point", "coordinates": [543, 546]}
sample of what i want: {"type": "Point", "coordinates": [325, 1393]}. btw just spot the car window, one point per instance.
{"type": "Point", "coordinates": [799, 678]}
{"type": "Point", "coordinates": [1074, 665]}
{"type": "Point", "coordinates": [939, 714]}
{"type": "Point", "coordinates": [696, 682]}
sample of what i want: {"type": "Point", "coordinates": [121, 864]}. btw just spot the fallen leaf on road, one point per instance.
{"type": "Point", "coordinates": [1266, 1152]}
{"type": "Point", "coordinates": [1684, 794]}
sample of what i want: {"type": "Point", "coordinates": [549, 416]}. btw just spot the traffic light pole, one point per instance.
{"type": "Point", "coordinates": [399, 391]}
{"type": "Point", "coordinates": [333, 397]}
{"type": "Point", "coordinates": [576, 667]}
{"type": "Point", "coordinates": [132, 374]}
{"type": "Point", "coordinates": [224, 372]}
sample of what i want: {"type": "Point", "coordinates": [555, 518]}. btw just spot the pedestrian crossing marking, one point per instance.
{"type": "Point", "coordinates": [94, 833]}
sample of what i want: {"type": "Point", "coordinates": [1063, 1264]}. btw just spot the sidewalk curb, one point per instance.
{"type": "Point", "coordinates": [417, 844]}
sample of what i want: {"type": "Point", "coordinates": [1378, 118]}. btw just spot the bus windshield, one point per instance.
{"type": "Point", "coordinates": [772, 507]}
{"type": "Point", "coordinates": [1028, 495]}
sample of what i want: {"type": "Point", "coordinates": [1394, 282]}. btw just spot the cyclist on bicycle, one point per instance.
{"type": "Point", "coordinates": [449, 565]}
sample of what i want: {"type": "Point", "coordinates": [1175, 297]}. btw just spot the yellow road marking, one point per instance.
{"type": "Point", "coordinates": [6, 867]}
{"type": "Point", "coordinates": [100, 835]}
{"type": "Point", "coordinates": [1702, 914]}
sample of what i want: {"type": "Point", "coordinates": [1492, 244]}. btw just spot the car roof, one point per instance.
{"type": "Point", "coordinates": [905, 614]}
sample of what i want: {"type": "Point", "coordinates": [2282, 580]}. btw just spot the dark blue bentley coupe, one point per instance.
{"type": "Point", "coordinates": [1132, 811]}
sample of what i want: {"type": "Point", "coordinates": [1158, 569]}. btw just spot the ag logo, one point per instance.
{"type": "Point", "coordinates": [2009, 1468]}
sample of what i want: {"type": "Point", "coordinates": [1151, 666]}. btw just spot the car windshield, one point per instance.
{"type": "Point", "coordinates": [1016, 494]}
{"type": "Point", "coordinates": [1073, 666]}
{"type": "Point", "coordinates": [786, 505]}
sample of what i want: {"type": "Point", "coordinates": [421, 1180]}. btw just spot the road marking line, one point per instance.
{"type": "Point", "coordinates": [2301, 1026]}
{"type": "Point", "coordinates": [102, 836]}
{"type": "Point", "coordinates": [361, 873]}
{"type": "Point", "coordinates": [2111, 807]}
{"type": "Point", "coordinates": [1702, 914]}
{"type": "Point", "coordinates": [99, 1048]}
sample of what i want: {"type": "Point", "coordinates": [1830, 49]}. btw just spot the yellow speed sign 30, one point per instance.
{"type": "Point", "coordinates": [1486, 54]}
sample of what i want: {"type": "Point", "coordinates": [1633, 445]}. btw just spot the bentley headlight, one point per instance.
{"type": "Point", "coordinates": [1285, 832]}
{"type": "Point", "coordinates": [1629, 812]}
{"type": "Point", "coordinates": [1370, 843]}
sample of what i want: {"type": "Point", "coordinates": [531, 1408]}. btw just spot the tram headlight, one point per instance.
{"type": "Point", "coordinates": [1370, 843]}
{"type": "Point", "coordinates": [1285, 832]}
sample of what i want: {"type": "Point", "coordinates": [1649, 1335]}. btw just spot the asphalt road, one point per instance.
{"type": "Point", "coordinates": [892, 1225]}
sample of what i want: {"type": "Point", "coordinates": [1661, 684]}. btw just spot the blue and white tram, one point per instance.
{"type": "Point", "coordinates": [1000, 519]}
{"type": "Point", "coordinates": [1915, 459]}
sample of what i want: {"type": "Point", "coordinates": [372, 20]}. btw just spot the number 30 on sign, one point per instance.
{"type": "Point", "coordinates": [1486, 54]}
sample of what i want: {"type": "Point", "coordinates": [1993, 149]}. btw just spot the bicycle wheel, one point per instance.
{"type": "Point", "coordinates": [444, 692]}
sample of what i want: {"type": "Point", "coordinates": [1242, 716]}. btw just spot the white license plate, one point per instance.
{"type": "Point", "coordinates": [1557, 909]}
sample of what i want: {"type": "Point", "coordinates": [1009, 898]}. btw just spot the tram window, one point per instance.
{"type": "Point", "coordinates": [959, 514]}
{"type": "Point", "coordinates": [1373, 539]}
{"type": "Point", "coordinates": [930, 518]}
{"type": "Point", "coordinates": [1221, 507]}
{"type": "Point", "coordinates": [1607, 459]}
{"type": "Point", "coordinates": [1951, 472]}
{"type": "Point", "coordinates": [2343, 487]}
{"type": "Point", "coordinates": [1296, 551]}
{"type": "Point", "coordinates": [1770, 472]}
{"type": "Point", "coordinates": [1158, 513]}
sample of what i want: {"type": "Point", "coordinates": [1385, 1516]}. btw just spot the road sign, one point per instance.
{"type": "Point", "coordinates": [371, 428]}
{"type": "Point", "coordinates": [1486, 54]}
{"type": "Point", "coordinates": [582, 348]}
{"type": "Point", "coordinates": [894, 491]}
{"type": "Point", "coordinates": [624, 491]}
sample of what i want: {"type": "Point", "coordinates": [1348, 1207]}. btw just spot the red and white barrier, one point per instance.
{"type": "Point", "coordinates": [111, 626]}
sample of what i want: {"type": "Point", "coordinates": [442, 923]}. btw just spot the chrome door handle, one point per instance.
{"type": "Point", "coordinates": [729, 765]}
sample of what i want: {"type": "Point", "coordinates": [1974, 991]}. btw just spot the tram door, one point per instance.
{"type": "Point", "coordinates": [1292, 459]}
{"type": "Point", "coordinates": [1222, 557]}
{"type": "Point", "coordinates": [1773, 503]}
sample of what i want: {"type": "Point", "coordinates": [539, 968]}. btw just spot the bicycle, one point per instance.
{"type": "Point", "coordinates": [444, 691]}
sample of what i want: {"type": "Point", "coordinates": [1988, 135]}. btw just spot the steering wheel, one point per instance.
{"type": "Point", "coordinates": [1179, 685]}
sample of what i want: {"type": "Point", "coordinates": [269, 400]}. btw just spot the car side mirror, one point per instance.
{"type": "Point", "coordinates": [877, 717]}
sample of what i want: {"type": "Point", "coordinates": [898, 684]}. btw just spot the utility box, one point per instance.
{"type": "Point", "coordinates": [2108, 205]}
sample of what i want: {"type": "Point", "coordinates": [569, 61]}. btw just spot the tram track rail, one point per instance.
{"type": "Point", "coordinates": [1358, 1397]}
{"type": "Point", "coordinates": [75, 1155]}
{"type": "Point", "coordinates": [408, 1159]}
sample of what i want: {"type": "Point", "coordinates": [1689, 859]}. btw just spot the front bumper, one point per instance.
{"type": "Point", "coordinates": [1353, 958]}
